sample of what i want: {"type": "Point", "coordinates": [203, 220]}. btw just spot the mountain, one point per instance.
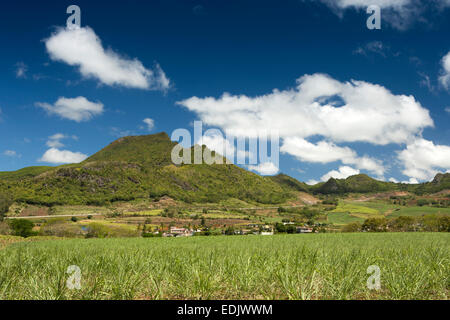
{"type": "Point", "coordinates": [440, 182]}
{"type": "Point", "coordinates": [362, 183]}
{"type": "Point", "coordinates": [290, 183]}
{"type": "Point", "coordinates": [359, 183]}
{"type": "Point", "coordinates": [138, 167]}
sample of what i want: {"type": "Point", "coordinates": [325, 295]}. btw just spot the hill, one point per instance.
{"type": "Point", "coordinates": [289, 183]}
{"type": "Point", "coordinates": [138, 167]}
{"type": "Point", "coordinates": [440, 182]}
{"type": "Point", "coordinates": [360, 183]}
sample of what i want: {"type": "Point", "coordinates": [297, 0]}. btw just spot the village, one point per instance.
{"type": "Point", "coordinates": [249, 229]}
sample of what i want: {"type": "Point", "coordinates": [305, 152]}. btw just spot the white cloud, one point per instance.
{"type": "Point", "coordinates": [342, 173]}
{"type": "Point", "coordinates": [215, 141]}
{"type": "Point", "coordinates": [393, 180]}
{"type": "Point", "coordinates": [21, 70]}
{"type": "Point", "coordinates": [422, 159]}
{"type": "Point", "coordinates": [57, 156]}
{"type": "Point", "coordinates": [150, 123]}
{"type": "Point", "coordinates": [397, 13]}
{"type": "Point", "coordinates": [266, 168]}
{"type": "Point", "coordinates": [411, 181]}
{"type": "Point", "coordinates": [54, 141]}
{"type": "Point", "coordinates": [447, 109]}
{"type": "Point", "coordinates": [322, 152]}
{"type": "Point", "coordinates": [326, 152]}
{"type": "Point", "coordinates": [11, 153]}
{"type": "Point", "coordinates": [81, 47]}
{"type": "Point", "coordinates": [77, 109]}
{"type": "Point", "coordinates": [367, 112]}
{"type": "Point", "coordinates": [354, 111]}
{"type": "Point", "coordinates": [444, 79]}
{"type": "Point", "coordinates": [400, 14]}
{"type": "Point", "coordinates": [312, 182]}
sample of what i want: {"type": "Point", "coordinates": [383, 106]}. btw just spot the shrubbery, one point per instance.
{"type": "Point", "coordinates": [429, 223]}
{"type": "Point", "coordinates": [5, 203]}
{"type": "Point", "coordinates": [22, 228]}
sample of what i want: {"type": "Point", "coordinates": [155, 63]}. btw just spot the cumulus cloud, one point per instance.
{"type": "Point", "coordinates": [342, 173]}
{"type": "Point", "coordinates": [150, 123]}
{"type": "Point", "coordinates": [56, 156]}
{"type": "Point", "coordinates": [265, 169]}
{"type": "Point", "coordinates": [77, 109]}
{"type": "Point", "coordinates": [326, 152]}
{"type": "Point", "coordinates": [366, 112]}
{"type": "Point", "coordinates": [82, 48]}
{"type": "Point", "coordinates": [444, 79]}
{"type": "Point", "coordinates": [422, 159]}
{"type": "Point", "coordinates": [339, 112]}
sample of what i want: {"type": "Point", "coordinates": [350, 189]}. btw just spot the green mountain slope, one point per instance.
{"type": "Point", "coordinates": [290, 183]}
{"type": "Point", "coordinates": [440, 182]}
{"type": "Point", "coordinates": [138, 168]}
{"type": "Point", "coordinates": [360, 183]}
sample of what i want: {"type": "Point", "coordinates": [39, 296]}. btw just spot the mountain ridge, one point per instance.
{"type": "Point", "coordinates": [140, 167]}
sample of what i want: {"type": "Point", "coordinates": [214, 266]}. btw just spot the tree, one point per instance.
{"type": "Point", "coordinates": [22, 227]}
{"type": "Point", "coordinates": [375, 225]}
{"type": "Point", "coordinates": [281, 228]}
{"type": "Point", "coordinates": [352, 227]}
{"type": "Point", "coordinates": [229, 231]}
{"type": "Point", "coordinates": [422, 202]}
{"type": "Point", "coordinates": [291, 229]}
{"type": "Point", "coordinates": [5, 202]}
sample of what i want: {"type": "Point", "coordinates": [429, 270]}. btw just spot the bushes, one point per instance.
{"type": "Point", "coordinates": [5, 229]}
{"type": "Point", "coordinates": [281, 228]}
{"type": "Point", "coordinates": [422, 202]}
{"type": "Point", "coordinates": [375, 225]}
{"type": "Point", "coordinates": [427, 223]}
{"type": "Point", "coordinates": [352, 227]}
{"type": "Point", "coordinates": [100, 230]}
{"type": "Point", "coordinates": [403, 224]}
{"type": "Point", "coordinates": [5, 203]}
{"type": "Point", "coordinates": [22, 228]}
{"type": "Point", "coordinates": [61, 228]}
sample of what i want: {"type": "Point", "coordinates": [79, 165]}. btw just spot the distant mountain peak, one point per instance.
{"type": "Point", "coordinates": [441, 177]}
{"type": "Point", "coordinates": [154, 149]}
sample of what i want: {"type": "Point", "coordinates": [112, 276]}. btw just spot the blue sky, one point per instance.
{"type": "Point", "coordinates": [60, 105]}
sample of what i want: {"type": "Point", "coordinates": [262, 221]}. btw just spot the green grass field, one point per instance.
{"type": "Point", "coordinates": [144, 213]}
{"type": "Point", "coordinates": [316, 266]}
{"type": "Point", "coordinates": [352, 211]}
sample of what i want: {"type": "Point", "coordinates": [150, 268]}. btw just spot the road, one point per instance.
{"type": "Point", "coordinates": [56, 216]}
